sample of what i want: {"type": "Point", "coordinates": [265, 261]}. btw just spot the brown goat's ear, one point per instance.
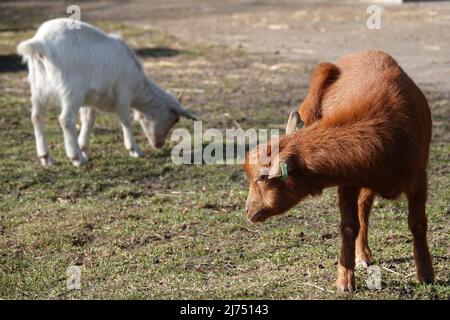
{"type": "Point", "coordinates": [270, 172]}
{"type": "Point", "coordinates": [275, 172]}
{"type": "Point", "coordinates": [275, 169]}
{"type": "Point", "coordinates": [293, 122]}
{"type": "Point", "coordinates": [279, 169]}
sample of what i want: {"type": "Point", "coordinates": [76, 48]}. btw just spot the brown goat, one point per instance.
{"type": "Point", "coordinates": [367, 131]}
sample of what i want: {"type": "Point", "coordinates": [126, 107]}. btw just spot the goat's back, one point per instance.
{"type": "Point", "coordinates": [86, 55]}
{"type": "Point", "coordinates": [372, 95]}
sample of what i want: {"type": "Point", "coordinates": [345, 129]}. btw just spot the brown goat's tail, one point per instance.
{"type": "Point", "coordinates": [324, 75]}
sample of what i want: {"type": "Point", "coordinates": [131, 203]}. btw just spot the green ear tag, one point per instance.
{"type": "Point", "coordinates": [300, 125]}
{"type": "Point", "coordinates": [284, 170]}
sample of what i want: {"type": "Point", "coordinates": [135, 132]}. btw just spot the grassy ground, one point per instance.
{"type": "Point", "coordinates": [147, 228]}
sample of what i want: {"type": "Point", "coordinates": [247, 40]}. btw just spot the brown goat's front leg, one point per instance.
{"type": "Point", "coordinates": [417, 221]}
{"type": "Point", "coordinates": [363, 253]}
{"type": "Point", "coordinates": [348, 205]}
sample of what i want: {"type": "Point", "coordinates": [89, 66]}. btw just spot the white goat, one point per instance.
{"type": "Point", "coordinates": [87, 67]}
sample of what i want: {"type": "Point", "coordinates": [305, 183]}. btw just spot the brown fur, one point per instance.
{"type": "Point", "coordinates": [368, 130]}
{"type": "Point", "coordinates": [324, 75]}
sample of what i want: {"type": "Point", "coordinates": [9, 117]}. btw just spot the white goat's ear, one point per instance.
{"type": "Point", "coordinates": [183, 112]}
{"type": "Point", "coordinates": [293, 123]}
{"type": "Point", "coordinates": [188, 115]}
{"type": "Point", "coordinates": [180, 96]}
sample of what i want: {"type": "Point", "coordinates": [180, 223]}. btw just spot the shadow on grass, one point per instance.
{"type": "Point", "coordinates": [410, 259]}
{"type": "Point", "coordinates": [157, 52]}
{"type": "Point", "coordinates": [11, 63]}
{"type": "Point", "coordinates": [401, 260]}
{"type": "Point", "coordinates": [15, 29]}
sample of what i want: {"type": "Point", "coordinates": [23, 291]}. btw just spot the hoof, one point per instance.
{"type": "Point", "coordinates": [346, 280]}
{"type": "Point", "coordinates": [46, 161]}
{"type": "Point", "coordinates": [79, 161]}
{"type": "Point", "coordinates": [363, 263]}
{"type": "Point", "coordinates": [363, 258]}
{"type": "Point", "coordinates": [136, 153]}
{"type": "Point", "coordinates": [344, 286]}
{"type": "Point", "coordinates": [86, 152]}
{"type": "Point", "coordinates": [426, 278]}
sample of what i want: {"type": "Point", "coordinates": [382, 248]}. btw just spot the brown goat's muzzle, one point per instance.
{"type": "Point", "coordinates": [259, 216]}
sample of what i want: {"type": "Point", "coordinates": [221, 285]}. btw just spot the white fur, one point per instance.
{"type": "Point", "coordinates": [87, 67]}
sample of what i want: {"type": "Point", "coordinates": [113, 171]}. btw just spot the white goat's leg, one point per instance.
{"type": "Point", "coordinates": [38, 115]}
{"type": "Point", "coordinates": [128, 140]}
{"type": "Point", "coordinates": [67, 119]}
{"type": "Point", "coordinates": [87, 119]}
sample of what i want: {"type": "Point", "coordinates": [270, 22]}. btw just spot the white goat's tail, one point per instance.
{"type": "Point", "coordinates": [29, 48]}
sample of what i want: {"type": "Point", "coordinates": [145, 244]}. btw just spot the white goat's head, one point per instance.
{"type": "Point", "coordinates": [157, 121]}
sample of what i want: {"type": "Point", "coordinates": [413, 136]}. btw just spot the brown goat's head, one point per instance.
{"type": "Point", "coordinates": [274, 172]}
{"type": "Point", "coordinates": [273, 188]}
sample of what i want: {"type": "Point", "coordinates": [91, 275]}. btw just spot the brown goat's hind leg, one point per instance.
{"type": "Point", "coordinates": [363, 253]}
{"type": "Point", "coordinates": [348, 205]}
{"type": "Point", "coordinates": [417, 221]}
